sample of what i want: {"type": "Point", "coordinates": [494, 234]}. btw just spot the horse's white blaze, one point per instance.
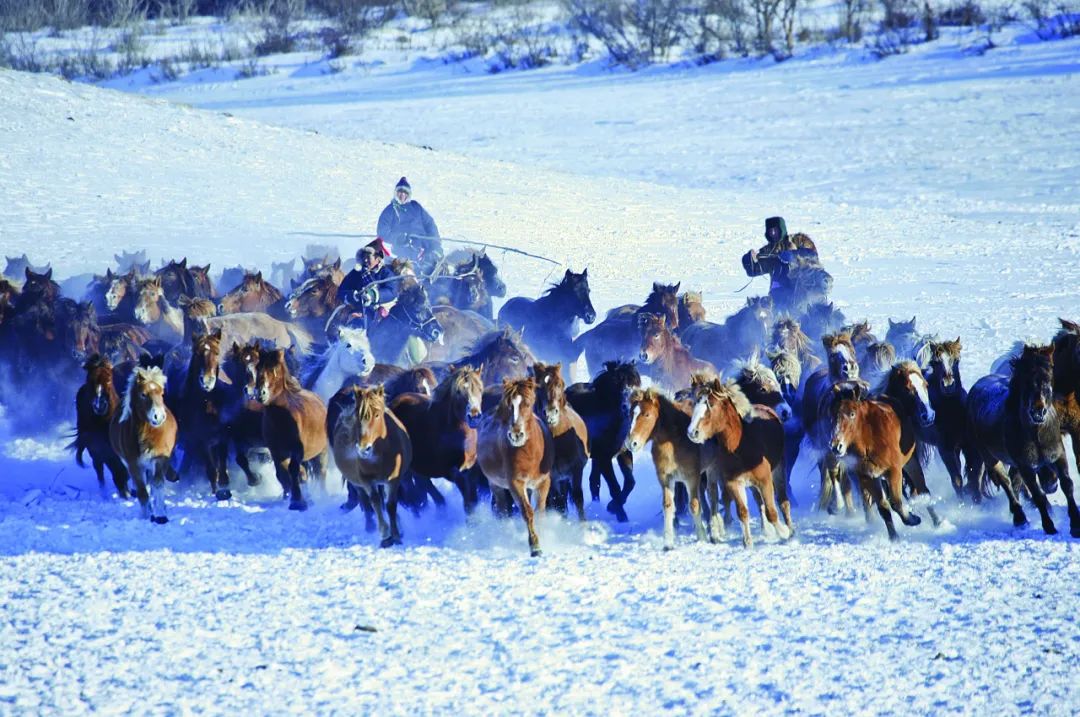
{"type": "Point", "coordinates": [516, 402]}
{"type": "Point", "coordinates": [700, 408]}
{"type": "Point", "coordinates": [633, 419]}
{"type": "Point", "coordinates": [426, 386]}
{"type": "Point", "coordinates": [845, 353]}
{"type": "Point", "coordinates": [919, 383]}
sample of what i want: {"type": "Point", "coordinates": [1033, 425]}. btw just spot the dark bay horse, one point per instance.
{"type": "Point", "coordinates": [551, 320]}
{"type": "Point", "coordinates": [241, 414]}
{"type": "Point", "coordinates": [1014, 422]}
{"type": "Point", "coordinates": [199, 409]}
{"type": "Point", "coordinates": [600, 405]}
{"type": "Point", "coordinates": [462, 285]}
{"type": "Point", "coordinates": [443, 428]}
{"type": "Point", "coordinates": [95, 405]}
{"type": "Point", "coordinates": [821, 319]}
{"type": "Point", "coordinates": [516, 453]}
{"type": "Point", "coordinates": [908, 392]}
{"type": "Point", "coordinates": [570, 436]}
{"type": "Point", "coordinates": [949, 400]}
{"type": "Point", "coordinates": [312, 303]}
{"type": "Point", "coordinates": [143, 434]}
{"type": "Point", "coordinates": [1067, 381]}
{"type": "Point", "coordinates": [372, 450]}
{"type": "Point", "coordinates": [616, 338]}
{"type": "Point", "coordinates": [742, 447]}
{"type": "Point", "coordinates": [175, 279]}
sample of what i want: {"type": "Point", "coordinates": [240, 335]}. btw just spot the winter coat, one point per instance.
{"type": "Point", "coordinates": [406, 227]}
{"type": "Point", "coordinates": [356, 281]}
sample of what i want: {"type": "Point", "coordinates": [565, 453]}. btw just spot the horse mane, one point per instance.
{"type": "Point", "coordinates": [655, 298]}
{"type": "Point", "coordinates": [788, 360]}
{"type": "Point", "coordinates": [562, 286]}
{"type": "Point", "coordinates": [753, 371]}
{"type": "Point", "coordinates": [485, 344]}
{"type": "Point", "coordinates": [890, 382]}
{"type": "Point", "coordinates": [149, 374]}
{"type": "Point", "coordinates": [881, 355]}
{"type": "Point", "coordinates": [1032, 357]}
{"type": "Point", "coordinates": [830, 341]}
{"type": "Point", "coordinates": [607, 377]}
{"type": "Point", "coordinates": [860, 331]}
{"type": "Point", "coordinates": [725, 391]}
{"type": "Point", "coordinates": [801, 341]}
{"type": "Point", "coordinates": [275, 358]}
{"type": "Point", "coordinates": [369, 400]}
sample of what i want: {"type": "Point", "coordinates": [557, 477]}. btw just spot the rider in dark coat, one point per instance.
{"type": "Point", "coordinates": [776, 259]}
{"type": "Point", "coordinates": [359, 288]}
{"type": "Point", "coordinates": [410, 229]}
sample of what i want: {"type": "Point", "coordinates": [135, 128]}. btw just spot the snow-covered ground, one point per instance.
{"type": "Point", "coordinates": [938, 184]}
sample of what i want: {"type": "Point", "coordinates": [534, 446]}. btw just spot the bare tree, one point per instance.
{"type": "Point", "coordinates": [635, 32]}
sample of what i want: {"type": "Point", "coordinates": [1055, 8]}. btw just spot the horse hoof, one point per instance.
{"type": "Point", "coordinates": [668, 548]}
{"type": "Point", "coordinates": [1019, 520]}
{"type": "Point", "coordinates": [912, 520]}
{"type": "Point", "coordinates": [298, 505]}
{"type": "Point", "coordinates": [386, 543]}
{"type": "Point", "coordinates": [1050, 529]}
{"type": "Point", "coordinates": [348, 507]}
{"type": "Point", "coordinates": [1074, 530]}
{"type": "Point", "coordinates": [223, 494]}
{"type": "Point", "coordinates": [595, 497]}
{"type": "Point", "coordinates": [617, 510]}
{"type": "Point", "coordinates": [159, 519]}
{"type": "Point", "coordinates": [536, 552]}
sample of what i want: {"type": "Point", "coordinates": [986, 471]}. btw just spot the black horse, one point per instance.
{"type": "Point", "coordinates": [411, 315]}
{"type": "Point", "coordinates": [600, 405]}
{"type": "Point", "coordinates": [550, 322]}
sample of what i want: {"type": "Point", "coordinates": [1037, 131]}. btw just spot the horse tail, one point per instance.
{"type": "Point", "coordinates": [924, 451]}
{"type": "Point", "coordinates": [301, 339]}
{"type": "Point", "coordinates": [77, 446]}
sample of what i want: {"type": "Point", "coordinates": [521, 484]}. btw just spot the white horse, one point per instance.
{"type": "Point", "coordinates": [348, 357]}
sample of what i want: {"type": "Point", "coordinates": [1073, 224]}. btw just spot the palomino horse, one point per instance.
{"type": "Point", "coordinates": [1014, 422]}
{"type": "Point", "coordinates": [655, 417]}
{"type": "Point", "coordinates": [817, 420]}
{"type": "Point", "coordinates": [293, 424]}
{"type": "Point", "coordinates": [617, 338]}
{"type": "Point", "coordinates": [568, 432]}
{"type": "Point", "coordinates": [143, 434]}
{"type": "Point", "coordinates": [600, 405]}
{"type": "Point", "coordinates": [254, 294]}
{"type": "Point", "coordinates": [691, 309]}
{"type": "Point", "coordinates": [350, 356]}
{"type": "Point", "coordinates": [551, 320]}
{"type": "Point", "coordinates": [95, 405]}
{"type": "Point", "coordinates": [876, 361]}
{"type": "Point", "coordinates": [742, 447]}
{"type": "Point", "coordinates": [164, 321]}
{"type": "Point", "coordinates": [871, 439]}
{"type": "Point", "coordinates": [444, 425]}
{"type": "Point", "coordinates": [199, 411]}
{"type": "Point", "coordinates": [740, 336]}
{"type": "Point", "coordinates": [516, 453]}
{"type": "Point", "coordinates": [670, 363]}
{"type": "Point", "coordinates": [371, 449]}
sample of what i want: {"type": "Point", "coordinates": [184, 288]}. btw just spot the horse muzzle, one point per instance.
{"type": "Point", "coordinates": [927, 417]}
{"type": "Point", "coordinates": [366, 452]}
{"type": "Point", "coordinates": [1038, 415]}
{"type": "Point", "coordinates": [695, 435]}
{"type": "Point", "coordinates": [473, 419]}
{"type": "Point", "coordinates": [156, 418]}
{"type": "Point", "coordinates": [589, 317]}
{"type": "Point", "coordinates": [838, 448]}
{"type": "Point", "coordinates": [516, 438]}
{"type": "Point", "coordinates": [632, 444]}
{"type": "Point", "coordinates": [208, 382]}
{"type": "Point", "coordinates": [783, 410]}
{"type": "Point", "coordinates": [100, 406]}
{"type": "Point", "coordinates": [643, 357]}
{"type": "Point", "coordinates": [552, 417]}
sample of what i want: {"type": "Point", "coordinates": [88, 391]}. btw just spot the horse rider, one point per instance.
{"type": "Point", "coordinates": [410, 229]}
{"type": "Point", "coordinates": [366, 289]}
{"type": "Point", "coordinates": [778, 256]}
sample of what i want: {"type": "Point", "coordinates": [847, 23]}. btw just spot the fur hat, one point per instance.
{"type": "Point", "coordinates": [771, 222]}
{"type": "Point", "coordinates": [376, 246]}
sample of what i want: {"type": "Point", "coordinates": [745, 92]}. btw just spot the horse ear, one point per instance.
{"type": "Point", "coordinates": [27, 271]}
{"type": "Point", "coordinates": [1070, 326]}
{"type": "Point", "coordinates": [891, 323]}
{"type": "Point", "coordinates": [183, 263]}
{"type": "Point", "coordinates": [676, 287]}
{"type": "Point", "coordinates": [585, 273]}
{"type": "Point", "coordinates": [216, 334]}
{"type": "Point", "coordinates": [337, 264]}
{"type": "Point", "coordinates": [380, 391]}
{"type": "Point", "coordinates": [108, 274]}
{"type": "Point", "coordinates": [656, 286]}
{"type": "Point", "coordinates": [258, 276]}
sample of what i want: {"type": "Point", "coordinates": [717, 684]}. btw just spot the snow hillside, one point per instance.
{"type": "Point", "coordinates": [245, 606]}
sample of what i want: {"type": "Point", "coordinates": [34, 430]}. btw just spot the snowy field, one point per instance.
{"type": "Point", "coordinates": [941, 184]}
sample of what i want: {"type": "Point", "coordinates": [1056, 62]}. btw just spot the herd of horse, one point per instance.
{"type": "Point", "coordinates": [172, 370]}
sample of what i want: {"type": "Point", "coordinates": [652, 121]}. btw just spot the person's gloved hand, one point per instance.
{"type": "Point", "coordinates": [383, 312]}
{"type": "Point", "coordinates": [368, 297]}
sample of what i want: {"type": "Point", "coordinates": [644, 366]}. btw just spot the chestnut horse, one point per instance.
{"type": "Point", "coordinates": [444, 425]}
{"type": "Point", "coordinates": [312, 303]}
{"type": "Point", "coordinates": [742, 447]}
{"type": "Point", "coordinates": [371, 449]}
{"type": "Point", "coordinates": [254, 294]}
{"type": "Point", "coordinates": [655, 417]}
{"type": "Point", "coordinates": [568, 432]}
{"type": "Point", "coordinates": [95, 405]}
{"type": "Point", "coordinates": [871, 439]}
{"type": "Point", "coordinates": [143, 434]}
{"type": "Point", "coordinates": [293, 424]}
{"type": "Point", "coordinates": [1067, 381]}
{"type": "Point", "coordinates": [670, 363]}
{"type": "Point", "coordinates": [516, 453]}
{"type": "Point", "coordinates": [1015, 422]}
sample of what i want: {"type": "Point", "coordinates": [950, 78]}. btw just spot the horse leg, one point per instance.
{"type": "Point", "coordinates": [376, 497]}
{"type": "Point", "coordinates": [119, 475]}
{"type": "Point", "coordinates": [210, 463]}
{"type": "Point", "coordinates": [156, 477]}
{"type": "Point", "coordinates": [1061, 467]}
{"type": "Point", "coordinates": [1031, 480]}
{"type": "Point", "coordinates": [669, 511]}
{"type": "Point", "coordinates": [780, 489]}
{"type": "Point", "coordinates": [615, 505]}
{"type": "Point", "coordinates": [521, 494]}
{"type": "Point", "coordinates": [716, 523]}
{"type": "Point", "coordinates": [894, 477]}
{"type": "Point", "coordinates": [469, 498]}
{"type": "Point", "coordinates": [296, 496]}
{"type": "Point", "coordinates": [827, 500]}
{"type": "Point", "coordinates": [950, 456]}
{"type": "Point", "coordinates": [393, 488]}
{"type": "Point", "coordinates": [764, 485]}
{"type": "Point", "coordinates": [429, 489]}
{"type": "Point", "coordinates": [841, 478]}
{"type": "Point", "coordinates": [221, 455]}
{"type": "Point", "coordinates": [577, 491]}
{"type": "Point", "coordinates": [138, 474]}
{"type": "Point", "coordinates": [999, 476]}
{"type": "Point", "coordinates": [352, 500]}
{"type": "Point", "coordinates": [682, 500]}
{"type": "Point", "coordinates": [737, 492]}
{"type": "Point", "coordinates": [594, 480]}
{"type": "Point", "coordinates": [625, 459]}
{"type": "Point", "coordinates": [99, 470]}
{"type": "Point", "coordinates": [693, 487]}
{"type": "Point", "coordinates": [240, 454]}
{"type": "Point", "coordinates": [877, 494]}
{"type": "Point", "coordinates": [917, 477]}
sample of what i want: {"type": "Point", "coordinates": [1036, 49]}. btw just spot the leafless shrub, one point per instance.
{"type": "Point", "coordinates": [634, 32]}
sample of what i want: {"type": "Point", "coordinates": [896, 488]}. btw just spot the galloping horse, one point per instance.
{"type": "Point", "coordinates": [655, 417]}
{"type": "Point", "coordinates": [516, 452]}
{"type": "Point", "coordinates": [742, 447]}
{"type": "Point", "coordinates": [739, 337]}
{"type": "Point", "coordinates": [143, 434]}
{"type": "Point", "coordinates": [617, 338]}
{"type": "Point", "coordinates": [568, 431]}
{"type": "Point", "coordinates": [293, 424]}
{"type": "Point", "coordinates": [371, 449]}
{"type": "Point", "coordinates": [949, 400]}
{"type": "Point", "coordinates": [154, 310]}
{"type": "Point", "coordinates": [199, 411]}
{"type": "Point", "coordinates": [95, 405]}
{"type": "Point", "coordinates": [670, 363]}
{"type": "Point", "coordinates": [551, 321]}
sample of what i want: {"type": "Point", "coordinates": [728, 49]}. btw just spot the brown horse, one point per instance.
{"type": "Point", "coordinates": [516, 453]}
{"type": "Point", "coordinates": [655, 417]}
{"type": "Point", "coordinates": [908, 391]}
{"type": "Point", "coordinates": [95, 405]}
{"type": "Point", "coordinates": [444, 426]}
{"type": "Point", "coordinates": [293, 424]}
{"type": "Point", "coordinates": [742, 447]}
{"type": "Point", "coordinates": [691, 310]}
{"type": "Point", "coordinates": [313, 301]}
{"type": "Point", "coordinates": [670, 363]}
{"type": "Point", "coordinates": [616, 338]}
{"type": "Point", "coordinates": [372, 449]}
{"type": "Point", "coordinates": [253, 295]}
{"type": "Point", "coordinates": [204, 285]}
{"type": "Point", "coordinates": [9, 295]}
{"type": "Point", "coordinates": [199, 410]}
{"type": "Point", "coordinates": [567, 431]}
{"type": "Point", "coordinates": [1067, 381]}
{"type": "Point", "coordinates": [143, 434]}
{"type": "Point", "coordinates": [164, 321]}
{"type": "Point", "coordinates": [871, 439]}
{"type": "Point", "coordinates": [176, 279]}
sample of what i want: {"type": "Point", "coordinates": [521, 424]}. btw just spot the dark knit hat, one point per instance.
{"type": "Point", "coordinates": [404, 184]}
{"type": "Point", "coordinates": [778, 223]}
